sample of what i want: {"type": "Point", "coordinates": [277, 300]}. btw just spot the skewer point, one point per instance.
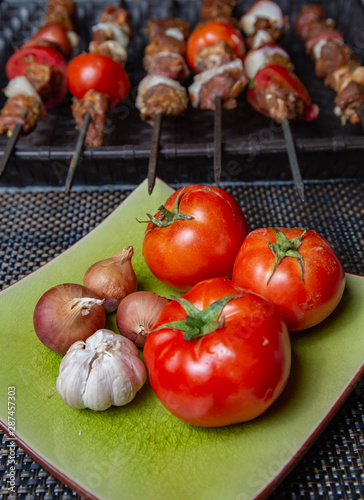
{"type": "Point", "coordinates": [13, 139]}
{"type": "Point", "coordinates": [293, 162]}
{"type": "Point", "coordinates": [77, 154]}
{"type": "Point", "coordinates": [154, 150]}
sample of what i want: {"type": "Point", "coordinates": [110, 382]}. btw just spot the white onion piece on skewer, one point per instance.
{"type": "Point", "coordinates": [21, 86]}
{"type": "Point", "coordinates": [256, 59]}
{"type": "Point", "coordinates": [265, 9]}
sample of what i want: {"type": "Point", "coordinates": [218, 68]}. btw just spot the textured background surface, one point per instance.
{"type": "Point", "coordinates": [35, 226]}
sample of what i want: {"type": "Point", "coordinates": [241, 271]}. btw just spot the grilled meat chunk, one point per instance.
{"type": "Point", "coordinates": [214, 55]}
{"type": "Point", "coordinates": [215, 9]}
{"type": "Point", "coordinates": [167, 64]}
{"type": "Point", "coordinates": [96, 104]}
{"type": "Point", "coordinates": [22, 109]}
{"type": "Point", "coordinates": [226, 81]}
{"type": "Point", "coordinates": [158, 94]}
{"type": "Point", "coordinates": [172, 25]}
{"type": "Point", "coordinates": [118, 15]}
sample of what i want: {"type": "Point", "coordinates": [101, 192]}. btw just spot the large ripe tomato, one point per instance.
{"type": "Point", "coordinates": [295, 269]}
{"type": "Point", "coordinates": [55, 33]}
{"type": "Point", "coordinates": [210, 33]}
{"type": "Point", "coordinates": [100, 73]}
{"type": "Point", "coordinates": [49, 56]}
{"type": "Point", "coordinates": [222, 364]}
{"type": "Point", "coordinates": [285, 79]}
{"type": "Point", "coordinates": [202, 243]}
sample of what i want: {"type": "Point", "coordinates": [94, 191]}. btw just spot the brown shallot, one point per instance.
{"type": "Point", "coordinates": [67, 313]}
{"type": "Point", "coordinates": [113, 278]}
{"type": "Point", "coordinates": [137, 313]}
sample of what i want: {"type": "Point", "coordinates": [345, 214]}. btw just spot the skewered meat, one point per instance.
{"type": "Point", "coordinates": [167, 64]}
{"type": "Point", "coordinates": [171, 25]}
{"type": "Point", "coordinates": [158, 94]}
{"type": "Point", "coordinates": [280, 102]}
{"type": "Point", "coordinates": [110, 48]}
{"type": "Point", "coordinates": [226, 81]}
{"type": "Point", "coordinates": [214, 55]}
{"type": "Point", "coordinates": [117, 15]}
{"type": "Point", "coordinates": [96, 104]}
{"type": "Point", "coordinates": [23, 106]}
{"type": "Point", "coordinates": [348, 99]}
{"type": "Point", "coordinates": [217, 9]}
{"type": "Point", "coordinates": [165, 43]}
{"type": "Point", "coordinates": [335, 62]}
{"type": "Point", "coordinates": [61, 11]}
{"type": "Point", "coordinates": [308, 15]}
{"type": "Point", "coordinates": [333, 55]}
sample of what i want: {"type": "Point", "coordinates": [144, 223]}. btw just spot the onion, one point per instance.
{"type": "Point", "coordinates": [137, 314]}
{"type": "Point", "coordinates": [112, 279]}
{"type": "Point", "coordinates": [67, 313]}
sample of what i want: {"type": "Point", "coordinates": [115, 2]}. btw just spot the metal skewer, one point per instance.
{"type": "Point", "coordinates": [217, 140]}
{"type": "Point", "coordinates": [360, 113]}
{"type": "Point", "coordinates": [154, 150]}
{"type": "Point", "coordinates": [77, 154]}
{"type": "Point", "coordinates": [293, 162]}
{"type": "Point", "coordinates": [10, 146]}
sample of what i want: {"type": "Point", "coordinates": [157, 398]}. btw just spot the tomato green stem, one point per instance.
{"type": "Point", "coordinates": [286, 248]}
{"type": "Point", "coordinates": [167, 217]}
{"type": "Point", "coordinates": [199, 323]}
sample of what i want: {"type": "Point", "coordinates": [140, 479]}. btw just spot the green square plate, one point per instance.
{"type": "Point", "coordinates": [140, 451]}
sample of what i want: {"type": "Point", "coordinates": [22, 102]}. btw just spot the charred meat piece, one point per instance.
{"type": "Point", "coordinates": [167, 64]}
{"type": "Point", "coordinates": [279, 102]}
{"type": "Point", "coordinates": [61, 11]}
{"type": "Point", "coordinates": [308, 15]}
{"type": "Point", "coordinates": [214, 55]}
{"type": "Point", "coordinates": [165, 43]}
{"type": "Point", "coordinates": [96, 104]}
{"type": "Point", "coordinates": [226, 81]}
{"type": "Point", "coordinates": [333, 56]}
{"type": "Point", "coordinates": [158, 94]}
{"type": "Point", "coordinates": [265, 26]}
{"type": "Point", "coordinates": [22, 109]}
{"type": "Point", "coordinates": [214, 9]}
{"type": "Point", "coordinates": [45, 79]}
{"type": "Point", "coordinates": [348, 100]}
{"type": "Point", "coordinates": [117, 15]}
{"type": "Point", "coordinates": [110, 48]}
{"type": "Point", "coordinates": [173, 26]}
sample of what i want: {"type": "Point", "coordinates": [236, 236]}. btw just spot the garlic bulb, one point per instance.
{"type": "Point", "coordinates": [104, 370]}
{"type": "Point", "coordinates": [113, 278]}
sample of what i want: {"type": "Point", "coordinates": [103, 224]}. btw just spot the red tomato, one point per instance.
{"type": "Point", "coordinates": [48, 56]}
{"type": "Point", "coordinates": [284, 78]}
{"type": "Point", "coordinates": [226, 372]}
{"type": "Point", "coordinates": [305, 295]}
{"type": "Point", "coordinates": [100, 73]}
{"type": "Point", "coordinates": [55, 33]}
{"type": "Point", "coordinates": [202, 246]}
{"type": "Point", "coordinates": [210, 33]}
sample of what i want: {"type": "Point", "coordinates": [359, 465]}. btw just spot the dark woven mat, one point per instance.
{"type": "Point", "coordinates": [35, 226]}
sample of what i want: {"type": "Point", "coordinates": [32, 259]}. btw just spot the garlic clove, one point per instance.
{"type": "Point", "coordinates": [137, 313]}
{"type": "Point", "coordinates": [104, 370]}
{"type": "Point", "coordinates": [112, 279]}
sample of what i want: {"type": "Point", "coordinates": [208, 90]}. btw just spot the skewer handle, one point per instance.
{"type": "Point", "coordinates": [10, 146]}
{"type": "Point", "coordinates": [154, 150]}
{"type": "Point", "coordinates": [77, 154]}
{"type": "Point", "coordinates": [293, 162]}
{"type": "Point", "coordinates": [217, 140]}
